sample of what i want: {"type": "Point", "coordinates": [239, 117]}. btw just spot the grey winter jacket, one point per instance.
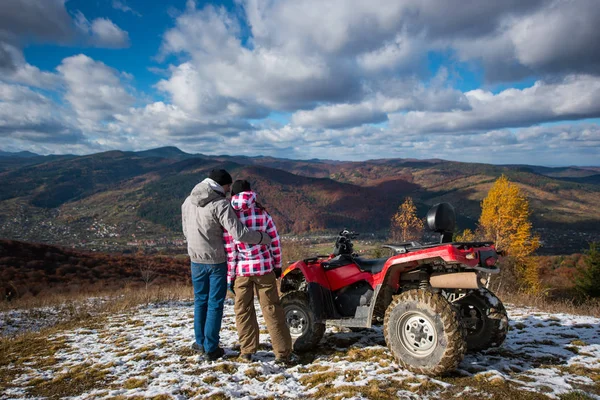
{"type": "Point", "coordinates": [205, 213]}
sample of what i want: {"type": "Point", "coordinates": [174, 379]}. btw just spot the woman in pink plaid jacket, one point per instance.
{"type": "Point", "coordinates": [256, 268]}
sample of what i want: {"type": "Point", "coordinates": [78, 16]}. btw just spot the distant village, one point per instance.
{"type": "Point", "coordinates": [97, 235]}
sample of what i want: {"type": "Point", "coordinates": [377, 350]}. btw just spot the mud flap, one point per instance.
{"type": "Point", "coordinates": [321, 302]}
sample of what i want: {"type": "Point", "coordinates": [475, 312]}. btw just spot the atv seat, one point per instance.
{"type": "Point", "coordinates": [338, 261]}
{"type": "Point", "coordinates": [373, 266]}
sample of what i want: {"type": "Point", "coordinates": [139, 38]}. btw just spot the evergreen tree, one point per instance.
{"type": "Point", "coordinates": [405, 225]}
{"type": "Point", "coordinates": [587, 280]}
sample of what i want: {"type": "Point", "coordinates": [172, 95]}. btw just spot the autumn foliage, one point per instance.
{"type": "Point", "coordinates": [28, 269]}
{"type": "Point", "coordinates": [406, 226]}
{"type": "Point", "coordinates": [466, 236]}
{"type": "Point", "coordinates": [505, 220]}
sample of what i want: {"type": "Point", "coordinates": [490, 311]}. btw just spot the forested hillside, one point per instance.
{"type": "Point", "coordinates": [127, 199]}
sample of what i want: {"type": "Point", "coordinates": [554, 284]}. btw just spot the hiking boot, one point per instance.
{"type": "Point", "coordinates": [197, 348]}
{"type": "Point", "coordinates": [246, 356]}
{"type": "Point", "coordinates": [287, 361]}
{"type": "Point", "coordinates": [215, 355]}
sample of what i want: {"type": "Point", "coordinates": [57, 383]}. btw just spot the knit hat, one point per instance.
{"type": "Point", "coordinates": [240, 186]}
{"type": "Point", "coordinates": [220, 176]}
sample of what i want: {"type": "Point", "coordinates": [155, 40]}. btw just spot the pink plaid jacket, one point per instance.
{"type": "Point", "coordinates": [250, 260]}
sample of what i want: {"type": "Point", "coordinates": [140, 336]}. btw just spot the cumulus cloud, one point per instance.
{"type": "Point", "coordinates": [28, 115]}
{"type": "Point", "coordinates": [404, 54]}
{"type": "Point", "coordinates": [255, 78]}
{"type": "Point", "coordinates": [30, 20]}
{"type": "Point", "coordinates": [563, 144]}
{"type": "Point", "coordinates": [49, 21]}
{"type": "Point", "coordinates": [337, 69]}
{"type": "Point", "coordinates": [16, 69]}
{"type": "Point", "coordinates": [339, 116]}
{"type": "Point", "coordinates": [316, 57]}
{"type": "Point", "coordinates": [389, 96]}
{"type": "Point", "coordinates": [168, 121]}
{"type": "Point", "coordinates": [41, 20]}
{"type": "Point", "coordinates": [194, 94]}
{"type": "Point", "coordinates": [558, 37]}
{"type": "Point", "coordinates": [24, 21]}
{"type": "Point", "coordinates": [102, 32]}
{"type": "Point", "coordinates": [94, 90]}
{"type": "Point", "coordinates": [574, 97]}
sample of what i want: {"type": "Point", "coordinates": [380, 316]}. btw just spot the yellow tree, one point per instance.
{"type": "Point", "coordinates": [405, 225]}
{"type": "Point", "coordinates": [466, 236]}
{"type": "Point", "coordinates": [505, 220]}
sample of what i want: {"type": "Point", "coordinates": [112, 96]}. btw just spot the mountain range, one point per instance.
{"type": "Point", "coordinates": [120, 199]}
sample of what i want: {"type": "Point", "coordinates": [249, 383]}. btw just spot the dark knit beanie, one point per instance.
{"type": "Point", "coordinates": [240, 186]}
{"type": "Point", "coordinates": [220, 176]}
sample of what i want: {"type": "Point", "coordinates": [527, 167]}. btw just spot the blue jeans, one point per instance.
{"type": "Point", "coordinates": [210, 287]}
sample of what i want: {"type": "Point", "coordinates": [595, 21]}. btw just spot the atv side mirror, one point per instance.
{"type": "Point", "coordinates": [441, 218]}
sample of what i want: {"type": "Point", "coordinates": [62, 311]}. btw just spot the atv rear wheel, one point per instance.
{"type": "Point", "coordinates": [424, 332]}
{"type": "Point", "coordinates": [305, 331]}
{"type": "Point", "coordinates": [485, 318]}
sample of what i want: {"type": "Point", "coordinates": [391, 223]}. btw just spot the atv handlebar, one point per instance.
{"type": "Point", "coordinates": [349, 234]}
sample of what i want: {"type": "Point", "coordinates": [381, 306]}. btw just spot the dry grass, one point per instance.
{"type": "Point", "coordinates": [114, 301]}
{"type": "Point", "coordinates": [317, 379]}
{"type": "Point", "coordinates": [134, 383]}
{"type": "Point", "coordinates": [293, 251]}
{"type": "Point", "coordinates": [493, 388]}
{"type": "Point", "coordinates": [35, 349]}
{"type": "Point", "coordinates": [544, 303]}
{"type": "Point", "coordinates": [374, 389]}
{"type": "Point", "coordinates": [74, 382]}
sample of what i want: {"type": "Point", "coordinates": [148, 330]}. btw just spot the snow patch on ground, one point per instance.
{"type": "Point", "coordinates": [14, 322]}
{"type": "Point", "coordinates": [147, 353]}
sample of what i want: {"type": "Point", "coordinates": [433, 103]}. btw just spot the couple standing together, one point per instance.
{"type": "Point", "coordinates": [233, 245]}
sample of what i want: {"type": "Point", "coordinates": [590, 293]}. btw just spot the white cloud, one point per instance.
{"type": "Point", "coordinates": [106, 34]}
{"type": "Point", "coordinates": [334, 67]}
{"type": "Point", "coordinates": [20, 71]}
{"type": "Point", "coordinates": [575, 97]}
{"type": "Point", "coordinates": [402, 53]}
{"type": "Point", "coordinates": [94, 90]}
{"type": "Point", "coordinates": [333, 62]}
{"type": "Point", "coordinates": [339, 116]}
{"type": "Point", "coordinates": [390, 96]}
{"type": "Point", "coordinates": [102, 32]}
{"type": "Point", "coordinates": [168, 122]}
{"type": "Point", "coordinates": [560, 37]}
{"type": "Point", "coordinates": [28, 115]}
{"type": "Point", "coordinates": [43, 21]}
{"type": "Point", "coordinates": [254, 78]}
{"type": "Point", "coordinates": [122, 6]}
{"type": "Point", "coordinates": [193, 94]}
{"type": "Point", "coordinates": [334, 27]}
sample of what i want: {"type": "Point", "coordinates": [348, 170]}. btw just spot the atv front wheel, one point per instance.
{"type": "Point", "coordinates": [305, 331]}
{"type": "Point", "coordinates": [485, 318]}
{"type": "Point", "coordinates": [424, 332]}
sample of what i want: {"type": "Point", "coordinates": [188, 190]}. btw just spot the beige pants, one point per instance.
{"type": "Point", "coordinates": [245, 315]}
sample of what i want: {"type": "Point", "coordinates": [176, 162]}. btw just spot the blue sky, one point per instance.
{"type": "Point", "coordinates": [494, 82]}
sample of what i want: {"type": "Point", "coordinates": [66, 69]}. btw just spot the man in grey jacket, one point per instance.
{"type": "Point", "coordinates": [205, 213]}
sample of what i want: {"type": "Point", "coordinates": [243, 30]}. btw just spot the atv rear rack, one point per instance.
{"type": "Point", "coordinates": [407, 247]}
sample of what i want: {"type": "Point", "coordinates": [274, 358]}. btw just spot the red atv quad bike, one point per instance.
{"type": "Point", "coordinates": [430, 298]}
